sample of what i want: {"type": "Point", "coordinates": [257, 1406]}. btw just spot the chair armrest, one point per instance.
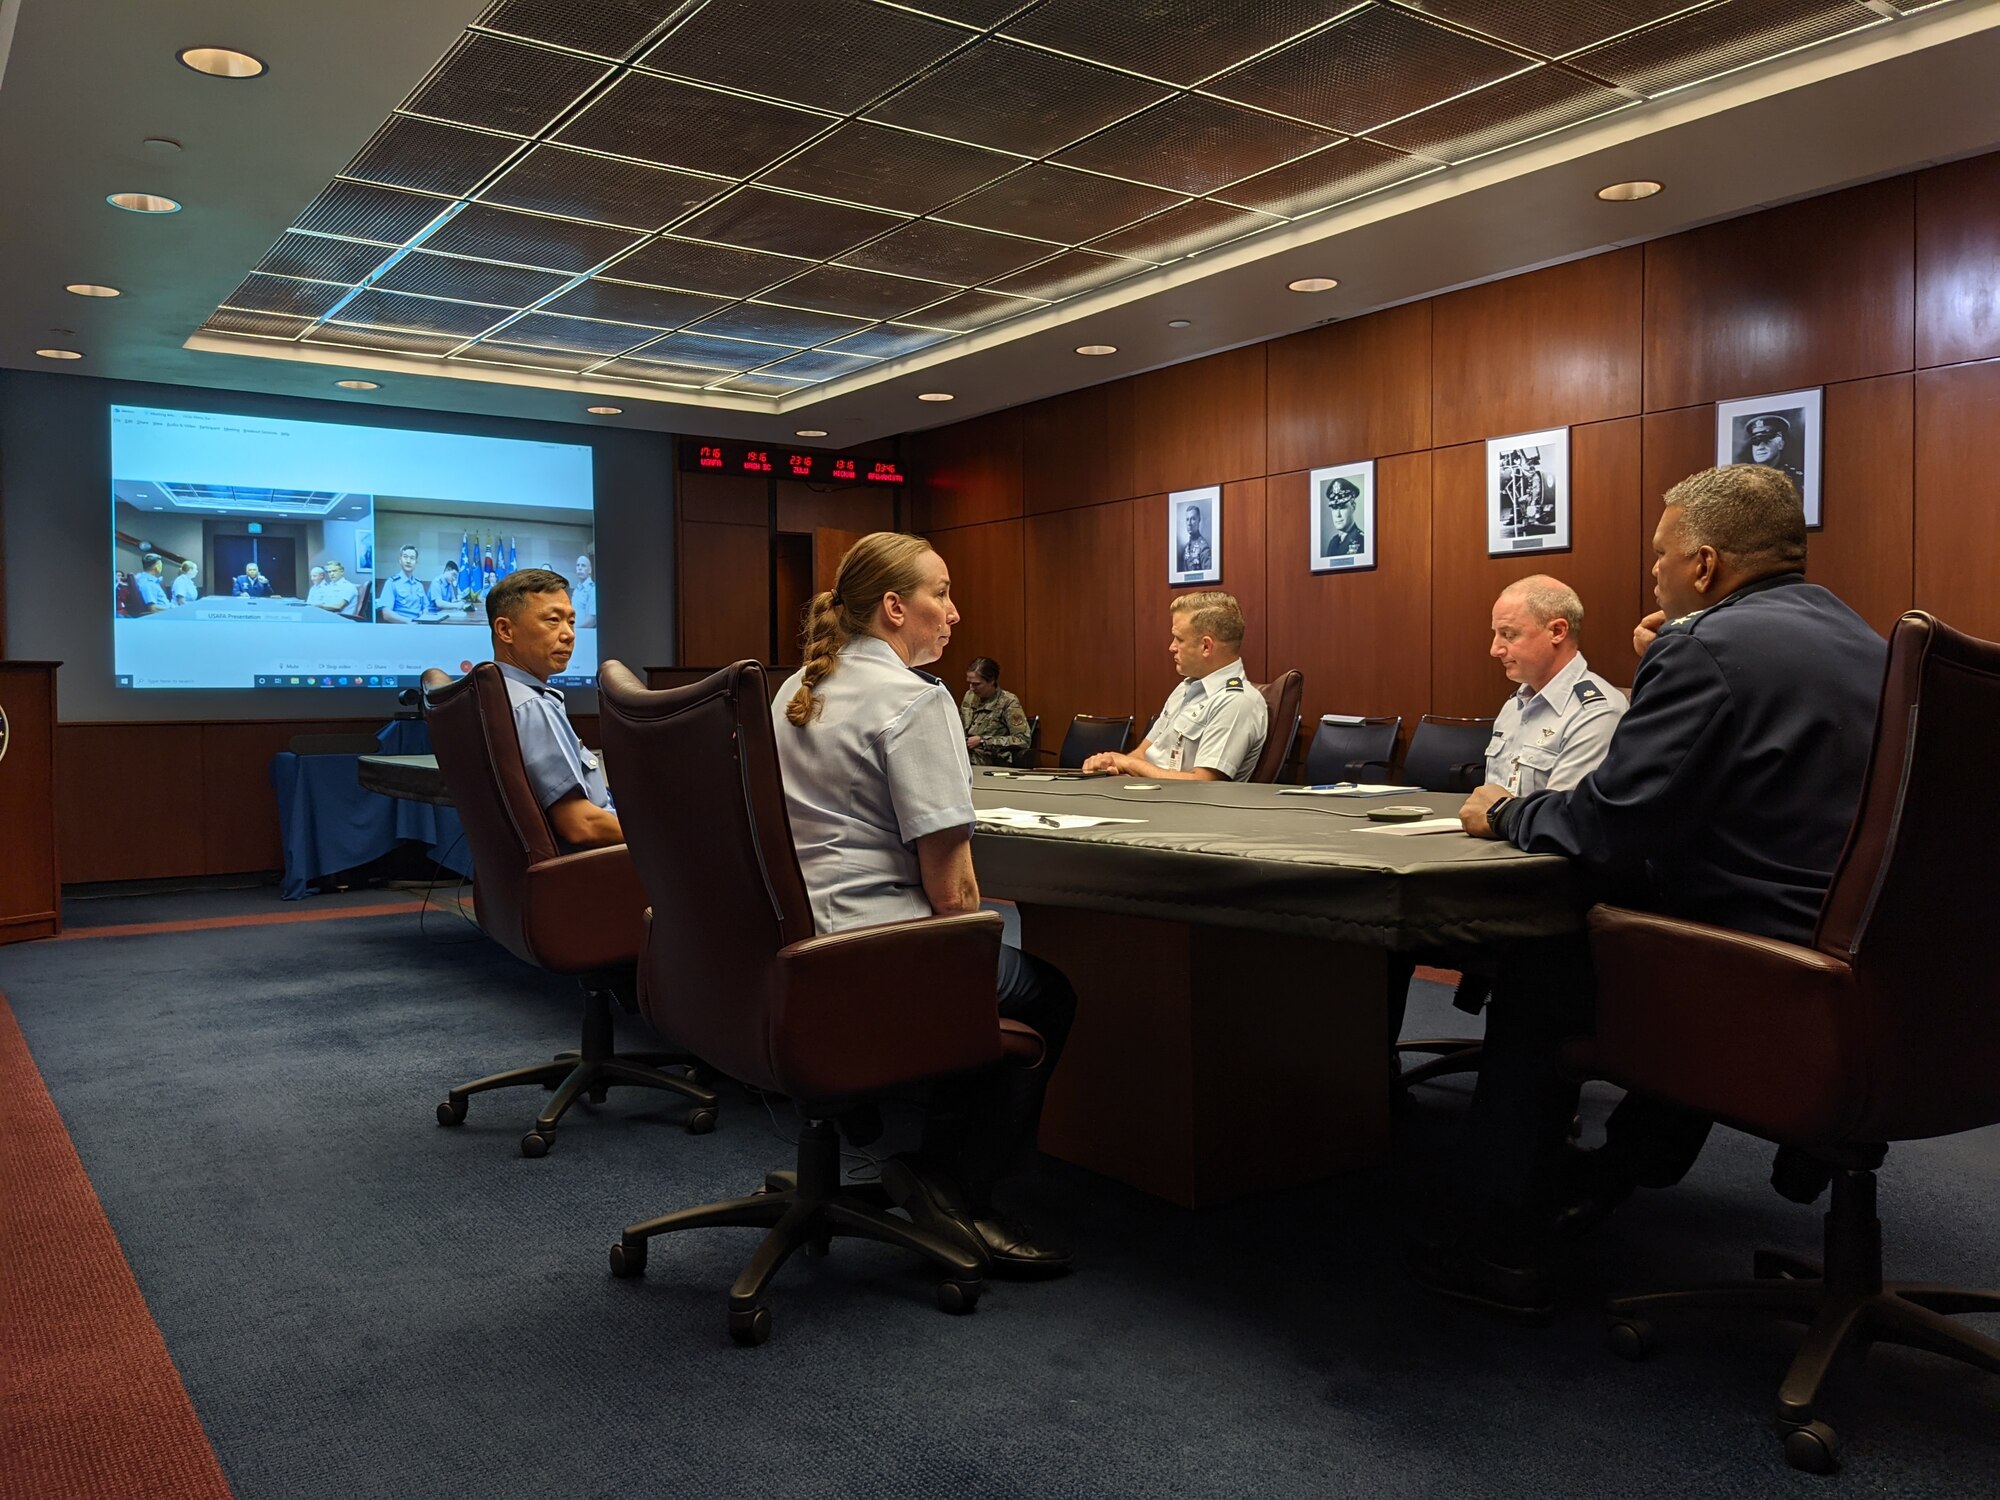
{"type": "Point", "coordinates": [584, 911]}
{"type": "Point", "coordinates": [1754, 1031]}
{"type": "Point", "coordinates": [874, 1008]}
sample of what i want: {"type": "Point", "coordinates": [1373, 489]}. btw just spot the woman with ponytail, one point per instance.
{"type": "Point", "coordinates": [879, 788]}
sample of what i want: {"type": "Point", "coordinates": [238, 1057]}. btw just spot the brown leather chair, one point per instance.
{"type": "Point", "coordinates": [1282, 736]}
{"type": "Point", "coordinates": [732, 967]}
{"type": "Point", "coordinates": [580, 914]}
{"type": "Point", "coordinates": [1882, 1029]}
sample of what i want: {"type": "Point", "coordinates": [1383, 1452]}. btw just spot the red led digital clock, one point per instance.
{"type": "Point", "coordinates": [717, 457]}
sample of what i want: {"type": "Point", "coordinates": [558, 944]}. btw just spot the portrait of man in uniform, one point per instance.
{"type": "Point", "coordinates": [1780, 432]}
{"type": "Point", "coordinates": [1342, 532]}
{"type": "Point", "coordinates": [1527, 493]}
{"type": "Point", "coordinates": [1194, 535]}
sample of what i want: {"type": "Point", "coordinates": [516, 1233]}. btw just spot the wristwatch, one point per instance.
{"type": "Point", "coordinates": [1493, 812]}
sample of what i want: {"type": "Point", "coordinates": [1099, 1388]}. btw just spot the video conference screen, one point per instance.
{"type": "Point", "coordinates": [258, 553]}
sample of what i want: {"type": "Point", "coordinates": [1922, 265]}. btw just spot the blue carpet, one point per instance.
{"type": "Point", "coordinates": [362, 1304]}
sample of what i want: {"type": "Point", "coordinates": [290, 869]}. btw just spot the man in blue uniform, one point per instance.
{"type": "Point", "coordinates": [1725, 798]}
{"type": "Point", "coordinates": [445, 593]}
{"type": "Point", "coordinates": [404, 598]}
{"type": "Point", "coordinates": [251, 583]}
{"type": "Point", "coordinates": [152, 590]}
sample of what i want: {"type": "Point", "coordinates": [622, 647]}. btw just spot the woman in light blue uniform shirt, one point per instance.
{"type": "Point", "coordinates": [879, 789]}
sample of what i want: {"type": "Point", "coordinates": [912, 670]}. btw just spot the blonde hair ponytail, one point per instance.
{"type": "Point", "coordinates": [883, 562]}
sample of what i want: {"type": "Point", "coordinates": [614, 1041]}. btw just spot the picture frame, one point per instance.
{"type": "Point", "coordinates": [364, 549]}
{"type": "Point", "coordinates": [1341, 524]}
{"type": "Point", "coordinates": [1786, 429]}
{"type": "Point", "coordinates": [1527, 493]}
{"type": "Point", "coordinates": [1194, 535]}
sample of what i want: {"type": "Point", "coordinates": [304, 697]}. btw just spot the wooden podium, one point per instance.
{"type": "Point", "coordinates": [30, 883]}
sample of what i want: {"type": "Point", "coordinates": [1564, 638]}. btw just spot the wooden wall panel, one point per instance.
{"type": "Point", "coordinates": [1958, 261]}
{"type": "Point", "coordinates": [989, 586]}
{"type": "Point", "coordinates": [724, 499]}
{"type": "Point", "coordinates": [1555, 347]}
{"type": "Point", "coordinates": [1243, 554]}
{"type": "Point", "coordinates": [1958, 496]}
{"type": "Point", "coordinates": [1351, 390]}
{"type": "Point", "coordinates": [1676, 444]}
{"type": "Point", "coordinates": [1076, 448]}
{"type": "Point", "coordinates": [1363, 640]}
{"type": "Point", "coordinates": [1808, 294]}
{"type": "Point", "coordinates": [967, 473]}
{"type": "Point", "coordinates": [1198, 423]}
{"type": "Point", "coordinates": [1079, 614]}
{"type": "Point", "coordinates": [859, 508]}
{"type": "Point", "coordinates": [725, 593]}
{"type": "Point", "coordinates": [1865, 552]}
{"type": "Point", "coordinates": [129, 801]}
{"type": "Point", "coordinates": [239, 807]}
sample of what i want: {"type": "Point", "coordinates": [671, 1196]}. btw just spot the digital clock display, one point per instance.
{"type": "Point", "coordinates": [787, 463]}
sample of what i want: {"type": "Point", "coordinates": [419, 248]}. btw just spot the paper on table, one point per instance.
{"type": "Point", "coordinates": [1423, 825]}
{"type": "Point", "coordinates": [1342, 789]}
{"type": "Point", "coordinates": [1014, 817]}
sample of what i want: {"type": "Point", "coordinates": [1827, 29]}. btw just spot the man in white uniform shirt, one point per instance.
{"type": "Point", "coordinates": [1214, 723]}
{"type": "Point", "coordinates": [1555, 728]}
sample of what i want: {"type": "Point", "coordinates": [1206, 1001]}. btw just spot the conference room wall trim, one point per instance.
{"type": "Point", "coordinates": [1052, 515]}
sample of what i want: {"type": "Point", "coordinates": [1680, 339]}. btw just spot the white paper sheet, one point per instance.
{"type": "Point", "coordinates": [1014, 817]}
{"type": "Point", "coordinates": [1343, 789]}
{"type": "Point", "coordinates": [1422, 825]}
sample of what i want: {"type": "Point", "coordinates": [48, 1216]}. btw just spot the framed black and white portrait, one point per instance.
{"type": "Point", "coordinates": [1527, 493]}
{"type": "Point", "coordinates": [1781, 432]}
{"type": "Point", "coordinates": [1343, 518]}
{"type": "Point", "coordinates": [1194, 535]}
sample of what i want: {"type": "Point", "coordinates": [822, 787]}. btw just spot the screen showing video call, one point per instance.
{"type": "Point", "coordinates": [258, 553]}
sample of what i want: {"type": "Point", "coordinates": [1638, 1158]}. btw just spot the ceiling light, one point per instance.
{"type": "Point", "coordinates": [359, 385]}
{"type": "Point", "coordinates": [810, 432]}
{"type": "Point", "coordinates": [143, 203]}
{"type": "Point", "coordinates": [221, 62]}
{"type": "Point", "coordinates": [1628, 192]}
{"type": "Point", "coordinates": [1180, 323]}
{"type": "Point", "coordinates": [92, 289]}
{"type": "Point", "coordinates": [1096, 348]}
{"type": "Point", "coordinates": [605, 411]}
{"type": "Point", "coordinates": [58, 354]}
{"type": "Point", "coordinates": [1312, 284]}
{"type": "Point", "coordinates": [161, 145]}
{"type": "Point", "coordinates": [935, 396]}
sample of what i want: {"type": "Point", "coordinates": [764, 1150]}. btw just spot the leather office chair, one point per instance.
{"type": "Point", "coordinates": [1447, 755]}
{"type": "Point", "coordinates": [1090, 733]}
{"type": "Point", "coordinates": [1346, 749]}
{"type": "Point", "coordinates": [1281, 696]}
{"type": "Point", "coordinates": [1881, 1029]}
{"type": "Point", "coordinates": [579, 914]}
{"type": "Point", "coordinates": [1029, 756]}
{"type": "Point", "coordinates": [732, 966]}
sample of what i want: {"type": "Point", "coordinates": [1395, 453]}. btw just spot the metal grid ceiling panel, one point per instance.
{"type": "Point", "coordinates": [887, 340]}
{"type": "Point", "coordinates": [468, 280]}
{"type": "Point", "coordinates": [653, 372]}
{"type": "Point", "coordinates": [946, 252]}
{"type": "Point", "coordinates": [358, 211]}
{"type": "Point", "coordinates": [698, 351]}
{"type": "Point", "coordinates": [790, 326]}
{"type": "Point", "coordinates": [1181, 41]}
{"type": "Point", "coordinates": [760, 219]}
{"type": "Point", "coordinates": [1551, 27]}
{"type": "Point", "coordinates": [1184, 230]}
{"type": "Point", "coordinates": [818, 364]}
{"type": "Point", "coordinates": [1190, 144]}
{"type": "Point", "coordinates": [884, 168]}
{"type": "Point", "coordinates": [980, 13]}
{"type": "Point", "coordinates": [1375, 66]}
{"type": "Point", "coordinates": [322, 259]}
{"type": "Point", "coordinates": [1068, 274]}
{"type": "Point", "coordinates": [605, 189]}
{"type": "Point", "coordinates": [1515, 109]}
{"type": "Point", "coordinates": [1016, 99]}
{"type": "Point", "coordinates": [691, 266]}
{"type": "Point", "coordinates": [762, 385]}
{"type": "Point", "coordinates": [1044, 198]}
{"type": "Point", "coordinates": [607, 28]}
{"type": "Point", "coordinates": [281, 294]}
{"type": "Point", "coordinates": [501, 85]}
{"type": "Point", "coordinates": [383, 340]}
{"type": "Point", "coordinates": [857, 294]}
{"type": "Point", "coordinates": [619, 303]}
{"type": "Point", "coordinates": [832, 54]}
{"type": "Point", "coordinates": [680, 125]}
{"type": "Point", "coordinates": [970, 310]}
{"type": "Point", "coordinates": [1332, 176]}
{"type": "Point", "coordinates": [254, 324]}
{"type": "Point", "coordinates": [543, 330]}
{"type": "Point", "coordinates": [1701, 46]}
{"type": "Point", "coordinates": [528, 239]}
{"type": "Point", "coordinates": [372, 309]}
{"type": "Point", "coordinates": [523, 357]}
{"type": "Point", "coordinates": [430, 157]}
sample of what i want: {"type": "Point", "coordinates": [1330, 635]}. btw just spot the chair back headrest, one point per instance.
{"type": "Point", "coordinates": [471, 725]}
{"type": "Point", "coordinates": [703, 807]}
{"type": "Point", "coordinates": [1447, 755]}
{"type": "Point", "coordinates": [1352, 749]}
{"type": "Point", "coordinates": [1917, 885]}
{"type": "Point", "coordinates": [1281, 696]}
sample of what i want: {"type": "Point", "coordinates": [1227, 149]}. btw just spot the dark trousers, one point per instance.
{"type": "Point", "coordinates": [982, 1124]}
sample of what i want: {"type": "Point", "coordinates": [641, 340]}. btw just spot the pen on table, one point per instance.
{"type": "Point", "coordinates": [1048, 822]}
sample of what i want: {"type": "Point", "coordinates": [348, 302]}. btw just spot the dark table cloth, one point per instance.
{"type": "Point", "coordinates": [328, 822]}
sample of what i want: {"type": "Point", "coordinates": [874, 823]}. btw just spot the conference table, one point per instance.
{"type": "Point", "coordinates": [1230, 948]}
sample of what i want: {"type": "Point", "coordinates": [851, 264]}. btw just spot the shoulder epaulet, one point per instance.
{"type": "Point", "coordinates": [1587, 691]}
{"type": "Point", "coordinates": [1234, 685]}
{"type": "Point", "coordinates": [920, 672]}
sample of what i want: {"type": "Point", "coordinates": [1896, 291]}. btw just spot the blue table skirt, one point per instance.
{"type": "Point", "coordinates": [328, 823]}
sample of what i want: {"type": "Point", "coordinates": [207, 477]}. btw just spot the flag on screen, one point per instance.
{"type": "Point", "coordinates": [464, 554]}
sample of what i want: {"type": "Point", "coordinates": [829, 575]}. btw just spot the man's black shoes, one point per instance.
{"type": "Point", "coordinates": [1591, 1186]}
{"type": "Point", "coordinates": [1005, 1248]}
{"type": "Point", "coordinates": [1012, 1251]}
{"type": "Point", "coordinates": [1454, 1269]}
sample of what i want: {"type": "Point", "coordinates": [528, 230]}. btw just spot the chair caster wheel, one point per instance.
{"type": "Point", "coordinates": [451, 1112]}
{"type": "Point", "coordinates": [534, 1143]}
{"type": "Point", "coordinates": [778, 1182]}
{"type": "Point", "coordinates": [701, 1122]}
{"type": "Point", "coordinates": [600, 1093]}
{"type": "Point", "coordinates": [1630, 1338]}
{"type": "Point", "coordinates": [1813, 1448]}
{"type": "Point", "coordinates": [628, 1260]}
{"type": "Point", "coordinates": [957, 1297]}
{"type": "Point", "coordinates": [819, 1247]}
{"type": "Point", "coordinates": [750, 1328]}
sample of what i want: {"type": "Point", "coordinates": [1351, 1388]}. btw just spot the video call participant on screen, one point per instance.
{"type": "Point", "coordinates": [251, 583]}
{"type": "Point", "coordinates": [148, 581]}
{"type": "Point", "coordinates": [584, 596]}
{"type": "Point", "coordinates": [187, 587]}
{"type": "Point", "coordinates": [405, 597]}
{"type": "Point", "coordinates": [534, 632]}
{"type": "Point", "coordinates": [445, 592]}
{"type": "Point", "coordinates": [880, 795]}
{"type": "Point", "coordinates": [1724, 798]}
{"type": "Point", "coordinates": [315, 584]}
{"type": "Point", "coordinates": [336, 595]}
{"type": "Point", "coordinates": [1213, 725]}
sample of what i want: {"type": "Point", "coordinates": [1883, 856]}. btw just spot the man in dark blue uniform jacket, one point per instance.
{"type": "Point", "coordinates": [1725, 798]}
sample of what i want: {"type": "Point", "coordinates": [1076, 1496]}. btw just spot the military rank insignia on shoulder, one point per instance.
{"type": "Point", "coordinates": [919, 671]}
{"type": "Point", "coordinates": [1587, 691]}
{"type": "Point", "coordinates": [1234, 685]}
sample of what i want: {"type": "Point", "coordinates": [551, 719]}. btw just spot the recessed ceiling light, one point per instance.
{"type": "Point", "coordinates": [92, 289]}
{"type": "Point", "coordinates": [935, 396]}
{"type": "Point", "coordinates": [1180, 323]}
{"type": "Point", "coordinates": [58, 354]}
{"type": "Point", "coordinates": [221, 62]}
{"type": "Point", "coordinates": [1628, 192]}
{"type": "Point", "coordinates": [1312, 284]}
{"type": "Point", "coordinates": [1096, 348]}
{"type": "Point", "coordinates": [161, 145]}
{"type": "Point", "coordinates": [143, 203]}
{"type": "Point", "coordinates": [359, 385]}
{"type": "Point", "coordinates": [605, 411]}
{"type": "Point", "coordinates": [810, 432]}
